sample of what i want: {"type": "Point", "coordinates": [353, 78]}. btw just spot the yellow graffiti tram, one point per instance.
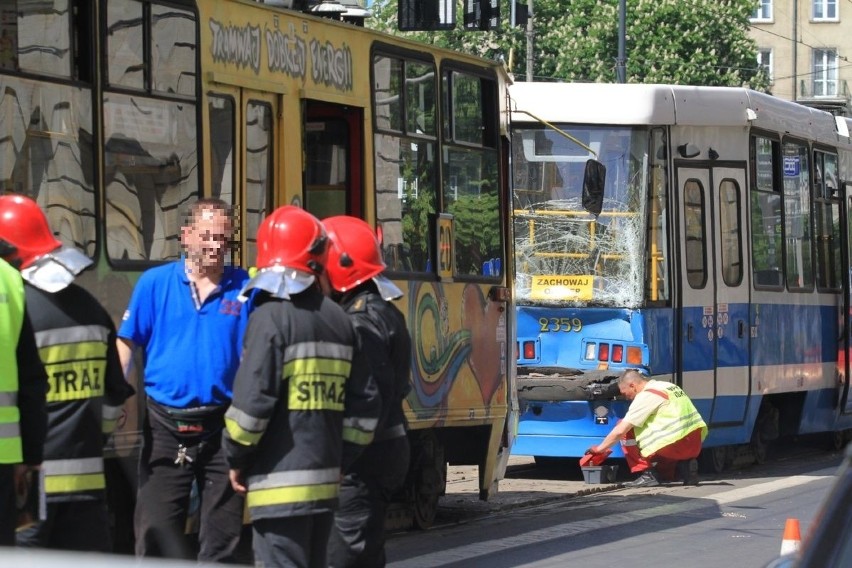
{"type": "Point", "coordinates": [115, 114]}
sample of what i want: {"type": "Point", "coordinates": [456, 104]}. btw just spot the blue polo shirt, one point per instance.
{"type": "Point", "coordinates": [191, 353]}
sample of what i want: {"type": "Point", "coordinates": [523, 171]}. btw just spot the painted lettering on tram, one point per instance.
{"type": "Point", "coordinates": [288, 53]}
{"type": "Point", "coordinates": [237, 45]}
{"type": "Point", "coordinates": [331, 66]}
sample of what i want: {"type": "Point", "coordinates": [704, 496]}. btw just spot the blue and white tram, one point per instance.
{"type": "Point", "coordinates": [718, 259]}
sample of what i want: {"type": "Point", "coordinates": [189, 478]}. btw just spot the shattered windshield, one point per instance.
{"type": "Point", "coordinates": [564, 255]}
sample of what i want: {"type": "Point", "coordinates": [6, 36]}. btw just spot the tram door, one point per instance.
{"type": "Point", "coordinates": [714, 285]}
{"type": "Point", "coordinates": [334, 158]}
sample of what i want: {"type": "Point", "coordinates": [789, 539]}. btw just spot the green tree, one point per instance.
{"type": "Point", "coordinates": [688, 42]}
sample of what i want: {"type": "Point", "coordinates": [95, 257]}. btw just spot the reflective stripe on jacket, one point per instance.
{"type": "Point", "coordinates": [671, 422]}
{"type": "Point", "coordinates": [11, 320]}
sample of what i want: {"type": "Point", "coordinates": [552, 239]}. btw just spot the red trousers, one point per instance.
{"type": "Point", "coordinates": [665, 458]}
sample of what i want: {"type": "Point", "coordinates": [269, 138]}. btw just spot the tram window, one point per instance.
{"type": "Point", "coordinates": [729, 218]}
{"type": "Point", "coordinates": [471, 196]}
{"type": "Point", "coordinates": [419, 98]}
{"type": "Point", "coordinates": [406, 159]}
{"type": "Point", "coordinates": [657, 277]}
{"type": "Point", "coordinates": [222, 134]}
{"type": "Point", "coordinates": [258, 173]}
{"type": "Point", "coordinates": [766, 239]}
{"type": "Point", "coordinates": [173, 50]}
{"type": "Point", "coordinates": [36, 37]}
{"type": "Point", "coordinates": [405, 200]}
{"type": "Point", "coordinates": [797, 218]}
{"type": "Point", "coordinates": [125, 45]}
{"type": "Point", "coordinates": [470, 168]}
{"type": "Point", "coordinates": [387, 79]}
{"type": "Point", "coordinates": [827, 221]}
{"type": "Point", "coordinates": [51, 160]}
{"type": "Point", "coordinates": [326, 170]}
{"type": "Point", "coordinates": [151, 169]}
{"type": "Point", "coordinates": [765, 198]}
{"type": "Point", "coordinates": [764, 157]}
{"type": "Point", "coordinates": [465, 97]}
{"type": "Point", "coordinates": [696, 242]}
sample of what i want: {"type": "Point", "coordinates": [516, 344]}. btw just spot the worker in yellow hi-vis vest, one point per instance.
{"type": "Point", "coordinates": [23, 383]}
{"type": "Point", "coordinates": [76, 342]}
{"type": "Point", "coordinates": [661, 434]}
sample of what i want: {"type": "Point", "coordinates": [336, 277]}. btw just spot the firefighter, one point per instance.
{"type": "Point", "coordinates": [304, 401]}
{"type": "Point", "coordinates": [23, 384]}
{"type": "Point", "coordinates": [355, 269]}
{"type": "Point", "coordinates": [76, 341]}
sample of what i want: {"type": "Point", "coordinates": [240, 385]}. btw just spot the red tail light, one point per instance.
{"type": "Point", "coordinates": [529, 349]}
{"type": "Point", "coordinates": [617, 353]}
{"type": "Point", "coordinates": [603, 352]}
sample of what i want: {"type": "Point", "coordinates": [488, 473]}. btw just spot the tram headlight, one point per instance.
{"type": "Point", "coordinates": [591, 351]}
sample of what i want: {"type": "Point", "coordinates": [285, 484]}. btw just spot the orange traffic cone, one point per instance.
{"type": "Point", "coordinates": [792, 537]}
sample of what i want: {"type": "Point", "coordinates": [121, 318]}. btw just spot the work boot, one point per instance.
{"type": "Point", "coordinates": [647, 479]}
{"type": "Point", "coordinates": [688, 471]}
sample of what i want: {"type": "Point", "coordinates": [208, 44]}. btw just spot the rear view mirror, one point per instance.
{"type": "Point", "coordinates": [593, 187]}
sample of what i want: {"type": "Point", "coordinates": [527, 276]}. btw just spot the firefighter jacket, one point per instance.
{"type": "Point", "coordinates": [302, 379]}
{"type": "Point", "coordinates": [23, 421]}
{"type": "Point", "coordinates": [76, 341]}
{"type": "Point", "coordinates": [385, 338]}
{"type": "Point", "coordinates": [672, 421]}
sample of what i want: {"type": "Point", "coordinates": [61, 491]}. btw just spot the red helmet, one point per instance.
{"type": "Point", "coordinates": [24, 226]}
{"type": "Point", "coordinates": [292, 237]}
{"type": "Point", "coordinates": [354, 256]}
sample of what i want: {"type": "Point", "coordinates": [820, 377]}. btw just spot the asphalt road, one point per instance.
{"type": "Point", "coordinates": [551, 517]}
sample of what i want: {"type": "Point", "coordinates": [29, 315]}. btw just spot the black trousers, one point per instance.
{"type": "Point", "coordinates": [163, 498]}
{"type": "Point", "coordinates": [8, 511]}
{"type": "Point", "coordinates": [358, 538]}
{"type": "Point", "coordinates": [292, 542]}
{"type": "Point", "coordinates": [71, 525]}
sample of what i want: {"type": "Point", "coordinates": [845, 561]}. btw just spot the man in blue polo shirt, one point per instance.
{"type": "Point", "coordinates": [187, 318]}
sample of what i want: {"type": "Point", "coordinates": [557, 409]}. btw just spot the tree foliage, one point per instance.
{"type": "Point", "coordinates": [688, 42]}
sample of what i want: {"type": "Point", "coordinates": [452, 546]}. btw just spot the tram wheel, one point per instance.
{"type": "Point", "coordinates": [713, 460]}
{"type": "Point", "coordinates": [836, 441]}
{"type": "Point", "coordinates": [425, 504]}
{"type": "Point", "coordinates": [758, 449]}
{"type": "Point", "coordinates": [428, 482]}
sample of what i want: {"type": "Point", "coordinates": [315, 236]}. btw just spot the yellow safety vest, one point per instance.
{"type": "Point", "coordinates": [673, 421]}
{"type": "Point", "coordinates": [11, 320]}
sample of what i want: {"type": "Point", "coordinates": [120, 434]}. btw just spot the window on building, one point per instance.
{"type": "Point", "coordinates": [825, 72]}
{"type": "Point", "coordinates": [764, 62]}
{"type": "Point", "coordinates": [824, 10]}
{"type": "Point", "coordinates": [763, 11]}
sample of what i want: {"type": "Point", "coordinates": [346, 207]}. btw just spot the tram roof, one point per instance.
{"type": "Point", "coordinates": [649, 104]}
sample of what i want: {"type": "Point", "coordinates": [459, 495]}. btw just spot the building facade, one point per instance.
{"type": "Point", "coordinates": [804, 45]}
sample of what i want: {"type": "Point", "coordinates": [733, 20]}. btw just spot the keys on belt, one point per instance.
{"type": "Point", "coordinates": [182, 458]}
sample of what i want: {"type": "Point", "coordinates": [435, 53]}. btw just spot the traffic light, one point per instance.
{"type": "Point", "coordinates": [482, 15]}
{"type": "Point", "coordinates": [520, 13]}
{"type": "Point", "coordinates": [426, 15]}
